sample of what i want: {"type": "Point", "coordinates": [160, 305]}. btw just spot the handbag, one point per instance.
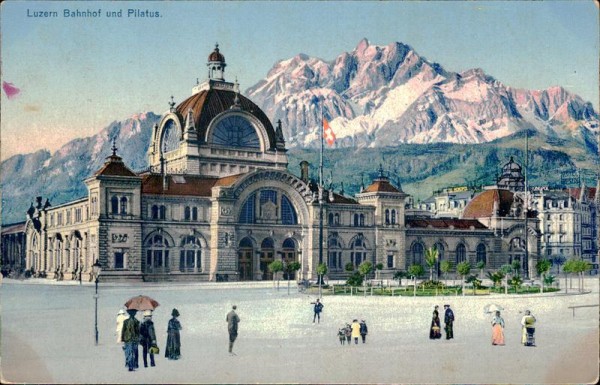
{"type": "Point", "coordinates": [154, 349]}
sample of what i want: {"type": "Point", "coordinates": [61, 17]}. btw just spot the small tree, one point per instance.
{"type": "Point", "coordinates": [378, 268]}
{"type": "Point", "coordinates": [516, 266]}
{"type": "Point", "coordinates": [349, 267]}
{"type": "Point", "coordinates": [475, 281]}
{"type": "Point", "coordinates": [568, 269]}
{"type": "Point", "coordinates": [275, 267]}
{"type": "Point", "coordinates": [290, 269]}
{"type": "Point", "coordinates": [481, 266]}
{"type": "Point", "coordinates": [415, 271]}
{"type": "Point", "coordinates": [516, 282]}
{"type": "Point", "coordinates": [321, 271]}
{"type": "Point", "coordinates": [399, 275]}
{"type": "Point", "coordinates": [549, 279]}
{"type": "Point", "coordinates": [506, 270]}
{"type": "Point", "coordinates": [445, 267]}
{"type": "Point", "coordinates": [496, 277]}
{"type": "Point", "coordinates": [463, 269]}
{"type": "Point", "coordinates": [542, 267]}
{"type": "Point", "coordinates": [431, 256]}
{"type": "Point", "coordinates": [581, 267]}
{"type": "Point", "coordinates": [365, 269]}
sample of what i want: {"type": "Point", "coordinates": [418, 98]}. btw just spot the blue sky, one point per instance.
{"type": "Point", "coordinates": [76, 75]}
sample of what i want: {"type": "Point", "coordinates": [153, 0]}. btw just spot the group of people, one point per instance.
{"type": "Point", "coordinates": [527, 329]}
{"type": "Point", "coordinates": [133, 333]}
{"type": "Point", "coordinates": [435, 330]}
{"type": "Point", "coordinates": [354, 330]}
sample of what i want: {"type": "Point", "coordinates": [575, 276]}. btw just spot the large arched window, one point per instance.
{"type": "Point", "coordinates": [288, 214]}
{"type": "Point", "coordinates": [461, 253]}
{"type": "Point", "coordinates": [248, 213]}
{"type": "Point", "coordinates": [157, 254]}
{"type": "Point", "coordinates": [481, 253]}
{"type": "Point", "coordinates": [190, 257]}
{"type": "Point", "coordinates": [274, 207]}
{"type": "Point", "coordinates": [334, 253]}
{"type": "Point", "coordinates": [170, 137]}
{"type": "Point", "coordinates": [417, 254]}
{"type": "Point", "coordinates": [358, 252]}
{"type": "Point", "coordinates": [235, 131]}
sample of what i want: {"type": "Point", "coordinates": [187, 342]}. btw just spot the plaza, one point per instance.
{"type": "Point", "coordinates": [48, 336]}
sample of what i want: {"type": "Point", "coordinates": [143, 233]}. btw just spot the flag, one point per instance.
{"type": "Point", "coordinates": [328, 133]}
{"type": "Point", "coordinates": [10, 90]}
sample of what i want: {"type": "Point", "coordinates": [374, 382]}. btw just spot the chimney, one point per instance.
{"type": "Point", "coordinates": [304, 171]}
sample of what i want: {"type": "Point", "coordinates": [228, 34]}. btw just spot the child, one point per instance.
{"type": "Point", "coordinates": [342, 335]}
{"type": "Point", "coordinates": [348, 331]}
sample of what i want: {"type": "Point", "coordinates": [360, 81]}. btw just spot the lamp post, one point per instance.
{"type": "Point", "coordinates": [96, 268]}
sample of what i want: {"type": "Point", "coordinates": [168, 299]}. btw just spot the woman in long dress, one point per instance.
{"type": "Point", "coordinates": [173, 349]}
{"type": "Point", "coordinates": [435, 331]}
{"type": "Point", "coordinates": [497, 330]}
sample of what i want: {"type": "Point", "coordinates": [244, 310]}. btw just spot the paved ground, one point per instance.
{"type": "Point", "coordinates": [48, 330]}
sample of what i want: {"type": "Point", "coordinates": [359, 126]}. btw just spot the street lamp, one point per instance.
{"type": "Point", "coordinates": [96, 269]}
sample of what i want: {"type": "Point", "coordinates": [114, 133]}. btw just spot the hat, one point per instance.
{"type": "Point", "coordinates": [446, 305]}
{"type": "Point", "coordinates": [148, 313]}
{"type": "Point", "coordinates": [175, 313]}
{"type": "Point", "coordinates": [121, 311]}
{"type": "Point", "coordinates": [131, 312]}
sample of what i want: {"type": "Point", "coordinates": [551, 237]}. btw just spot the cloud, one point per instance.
{"type": "Point", "coordinates": [32, 108]}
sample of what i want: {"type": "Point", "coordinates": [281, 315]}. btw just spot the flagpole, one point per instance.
{"type": "Point", "coordinates": [321, 192]}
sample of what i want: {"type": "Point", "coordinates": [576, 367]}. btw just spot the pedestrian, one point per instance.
{"type": "Point", "coordinates": [130, 335]}
{"type": "Point", "coordinates": [448, 322]}
{"type": "Point", "coordinates": [173, 348]}
{"type": "Point", "coordinates": [497, 329]}
{"type": "Point", "coordinates": [121, 317]}
{"type": "Point", "coordinates": [348, 331]}
{"type": "Point", "coordinates": [355, 330]}
{"type": "Point", "coordinates": [317, 309]}
{"type": "Point", "coordinates": [435, 330]}
{"type": "Point", "coordinates": [363, 330]}
{"type": "Point", "coordinates": [342, 335]}
{"type": "Point", "coordinates": [148, 338]}
{"type": "Point", "coordinates": [232, 327]}
{"type": "Point", "coordinates": [528, 327]}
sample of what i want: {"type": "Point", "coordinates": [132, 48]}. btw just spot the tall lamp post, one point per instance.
{"type": "Point", "coordinates": [96, 269]}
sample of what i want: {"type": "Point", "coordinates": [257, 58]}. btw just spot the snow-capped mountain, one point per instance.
{"type": "Point", "coordinates": [384, 95]}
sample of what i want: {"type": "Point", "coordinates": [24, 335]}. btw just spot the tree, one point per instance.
{"type": "Point", "coordinates": [321, 271]}
{"type": "Point", "coordinates": [431, 256]}
{"type": "Point", "coordinates": [543, 266]}
{"type": "Point", "coordinates": [349, 267]}
{"type": "Point", "coordinates": [581, 267]}
{"type": "Point", "coordinates": [516, 281]}
{"type": "Point", "coordinates": [365, 269]}
{"type": "Point", "coordinates": [516, 265]}
{"type": "Point", "coordinates": [496, 277]}
{"type": "Point", "coordinates": [398, 276]}
{"type": "Point", "coordinates": [290, 268]}
{"type": "Point", "coordinates": [463, 269]}
{"type": "Point", "coordinates": [549, 280]}
{"type": "Point", "coordinates": [558, 260]}
{"type": "Point", "coordinates": [378, 268]}
{"type": "Point", "coordinates": [415, 271]}
{"type": "Point", "coordinates": [445, 267]}
{"type": "Point", "coordinates": [568, 269]}
{"type": "Point", "coordinates": [475, 281]}
{"type": "Point", "coordinates": [481, 266]}
{"type": "Point", "coordinates": [506, 270]}
{"type": "Point", "coordinates": [275, 267]}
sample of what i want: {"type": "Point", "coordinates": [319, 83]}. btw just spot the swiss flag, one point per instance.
{"type": "Point", "coordinates": [328, 133]}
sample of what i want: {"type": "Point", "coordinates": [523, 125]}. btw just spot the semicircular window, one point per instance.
{"type": "Point", "coordinates": [170, 137]}
{"type": "Point", "coordinates": [235, 131]}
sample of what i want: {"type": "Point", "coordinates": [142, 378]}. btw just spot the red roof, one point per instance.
{"type": "Point", "coordinates": [381, 186]}
{"type": "Point", "coordinates": [340, 199]}
{"type": "Point", "coordinates": [462, 224]}
{"type": "Point", "coordinates": [114, 166]}
{"type": "Point", "coordinates": [189, 185]}
{"type": "Point", "coordinates": [482, 205]}
{"type": "Point", "coordinates": [575, 192]}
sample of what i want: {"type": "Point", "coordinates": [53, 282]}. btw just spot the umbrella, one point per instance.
{"type": "Point", "coordinates": [141, 302]}
{"type": "Point", "coordinates": [492, 307]}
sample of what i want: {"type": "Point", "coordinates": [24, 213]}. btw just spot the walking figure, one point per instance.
{"type": "Point", "coordinates": [448, 322]}
{"type": "Point", "coordinates": [497, 329]}
{"type": "Point", "coordinates": [318, 309]}
{"type": "Point", "coordinates": [130, 335]}
{"type": "Point", "coordinates": [232, 327]}
{"type": "Point", "coordinates": [355, 330]}
{"type": "Point", "coordinates": [348, 330]}
{"type": "Point", "coordinates": [528, 326]}
{"type": "Point", "coordinates": [435, 331]}
{"type": "Point", "coordinates": [363, 330]}
{"type": "Point", "coordinates": [173, 349]}
{"type": "Point", "coordinates": [148, 338]}
{"type": "Point", "coordinates": [342, 335]}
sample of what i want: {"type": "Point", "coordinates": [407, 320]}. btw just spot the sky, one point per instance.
{"type": "Point", "coordinates": [78, 74]}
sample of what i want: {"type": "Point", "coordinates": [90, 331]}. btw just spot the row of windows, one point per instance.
{"type": "Point", "coordinates": [68, 216]}
{"type": "Point", "coordinates": [418, 253]}
{"type": "Point", "coordinates": [119, 205]}
{"type": "Point", "coordinates": [358, 220]}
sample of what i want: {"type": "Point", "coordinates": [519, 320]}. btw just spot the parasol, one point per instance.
{"type": "Point", "coordinates": [141, 302]}
{"type": "Point", "coordinates": [491, 308]}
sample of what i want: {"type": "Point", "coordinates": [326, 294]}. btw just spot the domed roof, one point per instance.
{"type": "Point", "coordinates": [207, 104]}
{"type": "Point", "coordinates": [216, 55]}
{"type": "Point", "coordinates": [484, 204]}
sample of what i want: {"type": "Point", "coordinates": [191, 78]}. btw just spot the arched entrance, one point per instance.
{"type": "Point", "coordinates": [289, 255]}
{"type": "Point", "coordinates": [245, 253]}
{"type": "Point", "coordinates": [267, 255]}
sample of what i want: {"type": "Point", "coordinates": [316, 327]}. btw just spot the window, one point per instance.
{"type": "Point", "coordinates": [154, 212]}
{"type": "Point", "coordinates": [387, 216]}
{"type": "Point", "coordinates": [390, 261]}
{"type": "Point", "coordinates": [288, 214]}
{"type": "Point", "coordinates": [417, 254]}
{"type": "Point", "coordinates": [334, 250]}
{"type": "Point", "coordinates": [362, 219]}
{"type": "Point", "coordinates": [186, 213]}
{"type": "Point", "coordinates": [481, 253]}
{"type": "Point", "coordinates": [461, 253]}
{"type": "Point", "coordinates": [157, 254]}
{"type": "Point", "coordinates": [356, 220]}
{"type": "Point", "coordinates": [330, 219]}
{"type": "Point", "coordinates": [248, 212]}
{"type": "Point", "coordinates": [124, 206]}
{"type": "Point", "coordinates": [190, 256]}
{"type": "Point", "coordinates": [393, 217]}
{"type": "Point", "coordinates": [119, 260]}
{"type": "Point", "coordinates": [114, 205]}
{"type": "Point", "coordinates": [162, 212]}
{"type": "Point", "coordinates": [358, 253]}
{"type": "Point", "coordinates": [69, 217]}
{"type": "Point", "coordinates": [195, 214]}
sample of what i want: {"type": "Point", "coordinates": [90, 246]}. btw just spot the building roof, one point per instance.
{"type": "Point", "coordinates": [575, 192]}
{"type": "Point", "coordinates": [461, 224]}
{"type": "Point", "coordinates": [114, 166]}
{"type": "Point", "coordinates": [216, 55]}
{"type": "Point", "coordinates": [483, 204]}
{"type": "Point", "coordinates": [340, 199]}
{"type": "Point", "coordinates": [13, 228]}
{"type": "Point", "coordinates": [207, 104]}
{"type": "Point", "coordinates": [190, 185]}
{"type": "Point", "coordinates": [381, 185]}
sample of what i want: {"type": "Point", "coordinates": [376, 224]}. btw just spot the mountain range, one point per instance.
{"type": "Point", "coordinates": [386, 104]}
